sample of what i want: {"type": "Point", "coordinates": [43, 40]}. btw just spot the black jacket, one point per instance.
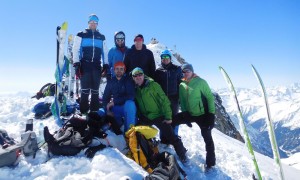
{"type": "Point", "coordinates": [140, 58]}
{"type": "Point", "coordinates": [169, 78]}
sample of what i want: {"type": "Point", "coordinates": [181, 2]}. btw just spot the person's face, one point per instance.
{"type": "Point", "coordinates": [119, 71]}
{"type": "Point", "coordinates": [93, 25]}
{"type": "Point", "coordinates": [138, 79]}
{"type": "Point", "coordinates": [165, 59]}
{"type": "Point", "coordinates": [187, 74]}
{"type": "Point", "coordinates": [120, 42]}
{"type": "Point", "coordinates": [138, 43]}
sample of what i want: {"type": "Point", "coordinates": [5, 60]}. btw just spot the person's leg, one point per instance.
{"type": "Point", "coordinates": [96, 75]}
{"type": "Point", "coordinates": [129, 114]}
{"type": "Point", "coordinates": [85, 91]}
{"type": "Point", "coordinates": [118, 112]}
{"type": "Point", "coordinates": [174, 107]}
{"type": "Point", "coordinates": [166, 132]}
{"type": "Point", "coordinates": [209, 146]}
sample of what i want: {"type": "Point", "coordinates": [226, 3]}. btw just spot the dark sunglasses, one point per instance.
{"type": "Point", "coordinates": [137, 75]}
{"type": "Point", "coordinates": [186, 71]}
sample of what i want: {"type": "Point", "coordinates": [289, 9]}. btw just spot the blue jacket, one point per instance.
{"type": "Point", "coordinates": [169, 77]}
{"type": "Point", "coordinates": [88, 46]}
{"type": "Point", "coordinates": [121, 90]}
{"type": "Point", "coordinates": [115, 54]}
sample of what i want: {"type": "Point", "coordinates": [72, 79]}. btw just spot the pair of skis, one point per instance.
{"type": "Point", "coordinates": [62, 71]}
{"type": "Point", "coordinates": [243, 127]}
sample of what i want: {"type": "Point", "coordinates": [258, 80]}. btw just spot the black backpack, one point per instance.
{"type": "Point", "coordinates": [70, 139]}
{"type": "Point", "coordinates": [166, 169]}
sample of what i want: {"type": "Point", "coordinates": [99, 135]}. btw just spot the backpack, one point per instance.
{"type": "Point", "coordinates": [142, 148]}
{"type": "Point", "coordinates": [42, 110]}
{"type": "Point", "coordinates": [47, 90]}
{"type": "Point", "coordinates": [70, 139]}
{"type": "Point", "coordinates": [167, 168]}
{"type": "Point", "coordinates": [30, 143]}
{"type": "Point", "coordinates": [10, 151]}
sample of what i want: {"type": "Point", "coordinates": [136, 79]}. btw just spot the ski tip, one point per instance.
{"type": "Point", "coordinates": [64, 26]}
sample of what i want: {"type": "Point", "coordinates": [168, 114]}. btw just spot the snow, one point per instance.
{"type": "Point", "coordinates": [233, 161]}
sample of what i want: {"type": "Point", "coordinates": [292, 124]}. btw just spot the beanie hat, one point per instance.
{"type": "Point", "coordinates": [137, 70]}
{"type": "Point", "coordinates": [93, 17]}
{"type": "Point", "coordinates": [187, 66]}
{"type": "Point", "coordinates": [138, 37]}
{"type": "Point", "coordinates": [120, 63]}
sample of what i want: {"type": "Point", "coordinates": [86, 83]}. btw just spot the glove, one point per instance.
{"type": "Point", "coordinates": [91, 151]}
{"type": "Point", "coordinates": [105, 67]}
{"type": "Point", "coordinates": [77, 69]}
{"type": "Point", "coordinates": [39, 95]}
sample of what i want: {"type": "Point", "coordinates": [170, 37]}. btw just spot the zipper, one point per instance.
{"type": "Point", "coordinates": [93, 46]}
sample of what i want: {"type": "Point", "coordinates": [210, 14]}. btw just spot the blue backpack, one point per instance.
{"type": "Point", "coordinates": [42, 110]}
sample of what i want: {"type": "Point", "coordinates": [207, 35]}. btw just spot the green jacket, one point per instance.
{"type": "Point", "coordinates": [152, 102]}
{"type": "Point", "coordinates": [193, 94]}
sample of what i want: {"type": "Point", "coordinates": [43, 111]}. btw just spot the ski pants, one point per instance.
{"type": "Point", "coordinates": [175, 107]}
{"type": "Point", "coordinates": [128, 111]}
{"type": "Point", "coordinates": [90, 82]}
{"type": "Point", "coordinates": [201, 121]}
{"type": "Point", "coordinates": [166, 132]}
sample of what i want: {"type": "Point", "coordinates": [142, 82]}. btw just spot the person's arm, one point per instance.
{"type": "Point", "coordinates": [152, 65]}
{"type": "Point", "coordinates": [210, 97]}
{"type": "Point", "coordinates": [76, 49]}
{"type": "Point", "coordinates": [163, 101]}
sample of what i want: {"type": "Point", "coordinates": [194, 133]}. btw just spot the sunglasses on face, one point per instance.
{"type": "Point", "coordinates": [120, 40]}
{"type": "Point", "coordinates": [93, 22]}
{"type": "Point", "coordinates": [165, 57]}
{"type": "Point", "coordinates": [186, 71]}
{"type": "Point", "coordinates": [137, 75]}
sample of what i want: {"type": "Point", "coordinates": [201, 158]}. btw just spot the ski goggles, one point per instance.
{"type": "Point", "coordinates": [93, 22]}
{"type": "Point", "coordinates": [120, 36]}
{"type": "Point", "coordinates": [165, 57]}
{"type": "Point", "coordinates": [120, 40]}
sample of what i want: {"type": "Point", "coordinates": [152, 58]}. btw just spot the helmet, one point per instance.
{"type": "Point", "coordinates": [166, 52]}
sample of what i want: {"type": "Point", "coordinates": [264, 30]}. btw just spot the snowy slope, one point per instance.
{"type": "Point", "coordinates": [233, 161]}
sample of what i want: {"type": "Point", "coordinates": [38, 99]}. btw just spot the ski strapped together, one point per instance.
{"type": "Point", "coordinates": [59, 103]}
{"type": "Point", "coordinates": [269, 123]}
{"type": "Point", "coordinates": [241, 122]}
{"type": "Point", "coordinates": [71, 78]}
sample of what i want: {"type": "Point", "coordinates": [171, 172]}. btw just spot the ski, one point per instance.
{"type": "Point", "coordinates": [269, 123]}
{"type": "Point", "coordinates": [56, 106]}
{"type": "Point", "coordinates": [71, 77]}
{"type": "Point", "coordinates": [241, 121]}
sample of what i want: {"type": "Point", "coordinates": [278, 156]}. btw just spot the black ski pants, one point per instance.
{"type": "Point", "coordinates": [206, 124]}
{"type": "Point", "coordinates": [90, 82]}
{"type": "Point", "coordinates": [166, 132]}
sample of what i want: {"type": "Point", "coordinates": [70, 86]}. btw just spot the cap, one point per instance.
{"type": "Point", "coordinates": [120, 63]}
{"type": "Point", "coordinates": [137, 70]}
{"type": "Point", "coordinates": [93, 17]}
{"type": "Point", "coordinates": [138, 37]}
{"type": "Point", "coordinates": [187, 66]}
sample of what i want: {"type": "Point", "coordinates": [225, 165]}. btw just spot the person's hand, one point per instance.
{"type": "Point", "coordinates": [77, 69]}
{"type": "Point", "coordinates": [167, 121]}
{"type": "Point", "coordinates": [109, 105]}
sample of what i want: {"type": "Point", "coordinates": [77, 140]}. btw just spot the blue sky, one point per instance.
{"type": "Point", "coordinates": [230, 33]}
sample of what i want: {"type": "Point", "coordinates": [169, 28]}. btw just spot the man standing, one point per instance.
{"type": "Point", "coordinates": [154, 109]}
{"type": "Point", "coordinates": [119, 96]}
{"type": "Point", "coordinates": [88, 53]}
{"type": "Point", "coordinates": [140, 56]}
{"type": "Point", "coordinates": [197, 105]}
{"type": "Point", "coordinates": [169, 76]}
{"type": "Point", "coordinates": [116, 53]}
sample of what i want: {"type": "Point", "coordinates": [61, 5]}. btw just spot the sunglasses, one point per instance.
{"type": "Point", "coordinates": [120, 40]}
{"type": "Point", "coordinates": [186, 71]}
{"type": "Point", "coordinates": [93, 22]}
{"type": "Point", "coordinates": [137, 75]}
{"type": "Point", "coordinates": [165, 57]}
